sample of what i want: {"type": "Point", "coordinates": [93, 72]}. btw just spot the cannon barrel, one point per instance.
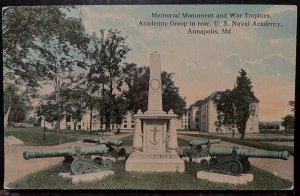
{"type": "Point", "coordinates": [225, 151]}
{"type": "Point", "coordinates": [67, 152]}
{"type": "Point", "coordinates": [103, 141]}
{"type": "Point", "coordinates": [198, 142]}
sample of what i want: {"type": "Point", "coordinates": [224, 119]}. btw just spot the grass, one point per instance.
{"type": "Point", "coordinates": [49, 179]}
{"type": "Point", "coordinates": [33, 136]}
{"type": "Point", "coordinates": [256, 143]}
{"type": "Point", "coordinates": [285, 132]}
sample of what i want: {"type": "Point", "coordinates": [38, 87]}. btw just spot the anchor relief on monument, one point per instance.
{"type": "Point", "coordinates": [154, 141]}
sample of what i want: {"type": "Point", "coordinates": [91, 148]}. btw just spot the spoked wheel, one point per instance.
{"type": "Point", "coordinates": [204, 164]}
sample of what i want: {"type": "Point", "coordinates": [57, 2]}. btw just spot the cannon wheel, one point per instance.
{"type": "Point", "coordinates": [204, 164]}
{"type": "Point", "coordinates": [67, 163]}
{"type": "Point", "coordinates": [235, 167]}
{"type": "Point", "coordinates": [122, 152]}
{"type": "Point", "coordinates": [77, 167]}
{"type": "Point", "coordinates": [213, 161]}
{"type": "Point", "coordinates": [111, 151]}
{"type": "Point", "coordinates": [107, 163]}
{"type": "Point", "coordinates": [246, 165]}
{"type": "Point", "coordinates": [98, 160]}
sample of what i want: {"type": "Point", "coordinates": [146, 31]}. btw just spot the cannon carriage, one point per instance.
{"type": "Point", "coordinates": [199, 147]}
{"type": "Point", "coordinates": [76, 155]}
{"type": "Point", "coordinates": [109, 143]}
{"type": "Point", "coordinates": [235, 160]}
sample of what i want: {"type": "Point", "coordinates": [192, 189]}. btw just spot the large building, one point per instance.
{"type": "Point", "coordinates": [201, 116]}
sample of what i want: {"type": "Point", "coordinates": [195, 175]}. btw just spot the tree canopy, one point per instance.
{"type": "Point", "coordinates": [137, 80]}
{"type": "Point", "coordinates": [37, 39]}
{"type": "Point", "coordinates": [104, 75]}
{"type": "Point", "coordinates": [236, 106]}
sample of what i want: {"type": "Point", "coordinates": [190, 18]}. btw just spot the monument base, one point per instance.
{"type": "Point", "coordinates": [195, 160]}
{"type": "Point", "coordinates": [222, 178]}
{"type": "Point", "coordinates": [87, 177]}
{"type": "Point", "coordinates": [154, 162]}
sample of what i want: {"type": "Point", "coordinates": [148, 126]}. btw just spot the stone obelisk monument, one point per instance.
{"type": "Point", "coordinates": [155, 138]}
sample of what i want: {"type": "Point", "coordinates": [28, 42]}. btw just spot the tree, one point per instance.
{"type": "Point", "coordinates": [16, 104]}
{"type": "Point", "coordinates": [235, 108]}
{"type": "Point", "coordinates": [27, 34]}
{"type": "Point", "coordinates": [73, 103]}
{"type": "Point", "coordinates": [292, 104]}
{"type": "Point", "coordinates": [226, 112]}
{"type": "Point", "coordinates": [137, 81]}
{"type": "Point", "coordinates": [43, 48]}
{"type": "Point", "coordinates": [48, 111]}
{"type": "Point", "coordinates": [288, 121]}
{"type": "Point", "coordinates": [171, 98]}
{"type": "Point", "coordinates": [120, 109]}
{"type": "Point", "coordinates": [105, 70]}
{"type": "Point", "coordinates": [243, 101]}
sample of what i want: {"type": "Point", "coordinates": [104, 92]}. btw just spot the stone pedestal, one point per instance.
{"type": "Point", "coordinates": [195, 160]}
{"type": "Point", "coordinates": [155, 138]}
{"type": "Point", "coordinates": [87, 177]}
{"type": "Point", "coordinates": [154, 162]}
{"type": "Point", "coordinates": [222, 178]}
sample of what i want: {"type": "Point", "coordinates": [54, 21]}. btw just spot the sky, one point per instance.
{"type": "Point", "coordinates": [203, 64]}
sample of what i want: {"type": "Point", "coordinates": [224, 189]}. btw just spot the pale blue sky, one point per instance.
{"type": "Point", "coordinates": [204, 64]}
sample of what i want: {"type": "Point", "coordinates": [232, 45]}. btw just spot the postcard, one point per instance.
{"type": "Point", "coordinates": [149, 97]}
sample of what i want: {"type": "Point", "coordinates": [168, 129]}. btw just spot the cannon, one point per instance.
{"type": "Point", "coordinates": [103, 141]}
{"type": "Point", "coordinates": [109, 143]}
{"type": "Point", "coordinates": [199, 147]}
{"type": "Point", "coordinates": [235, 160]}
{"type": "Point", "coordinates": [80, 164]}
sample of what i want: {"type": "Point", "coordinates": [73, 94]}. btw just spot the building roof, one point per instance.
{"type": "Point", "coordinates": [213, 97]}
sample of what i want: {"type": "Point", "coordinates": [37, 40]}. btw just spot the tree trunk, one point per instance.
{"type": "Point", "coordinates": [243, 135]}
{"type": "Point", "coordinates": [91, 119]}
{"type": "Point", "coordinates": [6, 117]}
{"type": "Point", "coordinates": [107, 122]}
{"type": "Point", "coordinates": [44, 136]}
{"type": "Point", "coordinates": [75, 125]}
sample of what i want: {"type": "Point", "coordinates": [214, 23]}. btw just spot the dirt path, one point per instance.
{"type": "Point", "coordinates": [16, 167]}
{"type": "Point", "coordinates": [281, 168]}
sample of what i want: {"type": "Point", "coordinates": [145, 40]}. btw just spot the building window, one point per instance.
{"type": "Point", "coordinates": [125, 126]}
{"type": "Point", "coordinates": [189, 120]}
{"type": "Point", "coordinates": [197, 113]}
{"type": "Point", "coordinates": [132, 126]}
{"type": "Point", "coordinates": [197, 119]}
{"type": "Point", "coordinates": [132, 121]}
{"type": "Point", "coordinates": [197, 126]}
{"type": "Point", "coordinates": [124, 121]}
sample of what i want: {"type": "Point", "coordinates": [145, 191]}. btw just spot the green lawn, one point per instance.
{"type": "Point", "coordinates": [249, 142]}
{"type": "Point", "coordinates": [33, 136]}
{"type": "Point", "coordinates": [49, 179]}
